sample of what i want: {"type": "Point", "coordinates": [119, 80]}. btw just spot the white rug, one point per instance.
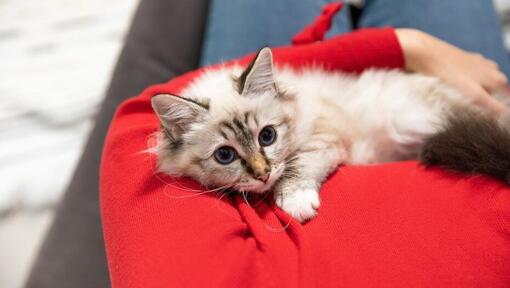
{"type": "Point", "coordinates": [56, 58]}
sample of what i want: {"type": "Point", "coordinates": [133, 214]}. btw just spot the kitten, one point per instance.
{"type": "Point", "coordinates": [265, 129]}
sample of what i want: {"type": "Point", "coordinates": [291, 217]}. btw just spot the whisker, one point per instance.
{"type": "Point", "coordinates": [237, 217]}
{"type": "Point", "coordinates": [201, 192]}
{"type": "Point", "coordinates": [221, 197]}
{"type": "Point", "coordinates": [178, 185]}
{"type": "Point", "coordinates": [261, 200]}
{"type": "Point", "coordinates": [245, 197]}
{"type": "Point", "coordinates": [155, 174]}
{"type": "Point", "coordinates": [279, 229]}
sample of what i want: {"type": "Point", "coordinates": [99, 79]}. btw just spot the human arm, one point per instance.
{"type": "Point", "coordinates": [472, 74]}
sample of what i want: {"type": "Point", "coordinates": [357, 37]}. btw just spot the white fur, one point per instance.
{"type": "Point", "coordinates": [300, 202]}
{"type": "Point", "coordinates": [388, 113]}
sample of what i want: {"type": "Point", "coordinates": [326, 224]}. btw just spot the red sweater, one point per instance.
{"type": "Point", "coordinates": [393, 225]}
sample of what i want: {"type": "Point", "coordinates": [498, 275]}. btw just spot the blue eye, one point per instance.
{"type": "Point", "coordinates": [267, 136]}
{"type": "Point", "coordinates": [225, 155]}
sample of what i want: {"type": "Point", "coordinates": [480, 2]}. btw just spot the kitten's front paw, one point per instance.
{"type": "Point", "coordinates": [301, 204]}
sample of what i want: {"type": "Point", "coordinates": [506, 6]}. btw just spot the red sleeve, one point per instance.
{"type": "Point", "coordinates": [351, 53]}
{"type": "Point", "coordinates": [164, 232]}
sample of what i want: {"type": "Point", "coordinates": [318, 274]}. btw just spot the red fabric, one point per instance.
{"type": "Point", "coordinates": [317, 30]}
{"type": "Point", "coordinates": [393, 225]}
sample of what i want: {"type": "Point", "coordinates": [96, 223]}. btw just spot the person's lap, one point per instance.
{"type": "Point", "coordinates": [236, 28]}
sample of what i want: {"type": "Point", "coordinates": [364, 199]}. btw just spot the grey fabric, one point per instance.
{"type": "Point", "coordinates": [165, 40]}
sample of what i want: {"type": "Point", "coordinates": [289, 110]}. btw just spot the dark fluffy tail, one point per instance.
{"type": "Point", "coordinates": [470, 142]}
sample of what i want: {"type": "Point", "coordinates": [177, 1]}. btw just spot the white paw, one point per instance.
{"type": "Point", "coordinates": [301, 204]}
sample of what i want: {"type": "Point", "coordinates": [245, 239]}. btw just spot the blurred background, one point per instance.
{"type": "Point", "coordinates": [56, 57]}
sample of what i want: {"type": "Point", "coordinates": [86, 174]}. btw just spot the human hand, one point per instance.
{"type": "Point", "coordinates": [473, 75]}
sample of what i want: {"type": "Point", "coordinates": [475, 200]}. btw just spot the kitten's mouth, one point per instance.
{"type": "Point", "coordinates": [256, 186]}
{"type": "Point", "coordinates": [260, 187]}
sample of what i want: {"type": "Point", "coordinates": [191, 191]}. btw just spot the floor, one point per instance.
{"type": "Point", "coordinates": [56, 58]}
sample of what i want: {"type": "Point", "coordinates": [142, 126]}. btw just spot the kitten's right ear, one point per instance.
{"type": "Point", "coordinates": [258, 76]}
{"type": "Point", "coordinates": [176, 114]}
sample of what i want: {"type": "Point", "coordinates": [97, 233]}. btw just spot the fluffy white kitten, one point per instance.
{"type": "Point", "coordinates": [285, 131]}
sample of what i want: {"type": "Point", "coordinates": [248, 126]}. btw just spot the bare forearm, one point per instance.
{"type": "Point", "coordinates": [473, 75]}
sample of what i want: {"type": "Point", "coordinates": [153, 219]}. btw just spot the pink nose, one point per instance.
{"type": "Point", "coordinates": [263, 178]}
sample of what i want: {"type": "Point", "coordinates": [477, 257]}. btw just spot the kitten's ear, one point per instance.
{"type": "Point", "coordinates": [176, 114]}
{"type": "Point", "coordinates": [258, 76]}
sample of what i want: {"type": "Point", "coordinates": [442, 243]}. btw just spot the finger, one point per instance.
{"type": "Point", "coordinates": [487, 101]}
{"type": "Point", "coordinates": [496, 106]}
{"type": "Point", "coordinates": [495, 81]}
{"type": "Point", "coordinates": [478, 56]}
{"type": "Point", "coordinates": [501, 80]}
{"type": "Point", "coordinates": [493, 64]}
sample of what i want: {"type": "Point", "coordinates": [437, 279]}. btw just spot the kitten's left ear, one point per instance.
{"type": "Point", "coordinates": [258, 76]}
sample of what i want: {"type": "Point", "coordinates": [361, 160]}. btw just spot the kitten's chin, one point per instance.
{"type": "Point", "coordinates": [263, 189]}
{"type": "Point", "coordinates": [259, 187]}
{"type": "Point", "coordinates": [255, 188]}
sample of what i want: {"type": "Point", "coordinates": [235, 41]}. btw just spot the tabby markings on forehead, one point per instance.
{"type": "Point", "coordinates": [244, 135]}
{"type": "Point", "coordinates": [237, 129]}
{"type": "Point", "coordinates": [226, 129]}
{"type": "Point", "coordinates": [223, 134]}
{"type": "Point", "coordinates": [255, 119]}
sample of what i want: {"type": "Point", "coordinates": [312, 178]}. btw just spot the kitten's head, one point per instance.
{"type": "Point", "coordinates": [229, 131]}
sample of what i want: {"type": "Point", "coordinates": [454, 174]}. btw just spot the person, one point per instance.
{"type": "Point", "coordinates": [393, 225]}
{"type": "Point", "coordinates": [465, 50]}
